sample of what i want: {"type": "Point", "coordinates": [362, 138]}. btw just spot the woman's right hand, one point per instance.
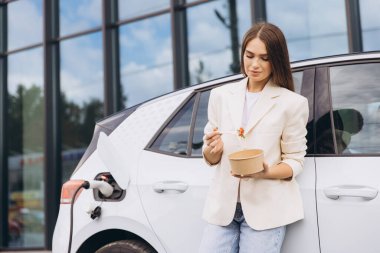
{"type": "Point", "coordinates": [214, 142]}
{"type": "Point", "coordinates": [214, 146]}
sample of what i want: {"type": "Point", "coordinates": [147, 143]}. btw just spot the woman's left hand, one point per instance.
{"type": "Point", "coordinates": [264, 174]}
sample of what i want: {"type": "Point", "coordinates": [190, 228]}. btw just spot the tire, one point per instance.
{"type": "Point", "coordinates": [127, 246]}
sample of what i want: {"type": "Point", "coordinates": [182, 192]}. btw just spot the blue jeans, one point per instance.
{"type": "Point", "coordinates": [239, 237]}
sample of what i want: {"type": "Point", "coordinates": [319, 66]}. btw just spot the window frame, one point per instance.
{"type": "Point", "coordinates": [167, 122]}
{"type": "Point", "coordinates": [196, 92]}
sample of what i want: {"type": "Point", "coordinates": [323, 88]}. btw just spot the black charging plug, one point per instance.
{"type": "Point", "coordinates": [96, 212]}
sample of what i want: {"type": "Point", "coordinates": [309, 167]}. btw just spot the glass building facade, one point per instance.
{"type": "Point", "coordinates": [64, 64]}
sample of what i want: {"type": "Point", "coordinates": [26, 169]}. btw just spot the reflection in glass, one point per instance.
{"type": "Point", "coordinates": [81, 96]}
{"type": "Point", "coordinates": [200, 123]}
{"type": "Point", "coordinates": [146, 59]}
{"type": "Point", "coordinates": [26, 149]}
{"type": "Point", "coordinates": [297, 80]}
{"type": "Point", "coordinates": [211, 37]}
{"type": "Point", "coordinates": [355, 94]}
{"type": "Point", "coordinates": [134, 8]}
{"type": "Point", "coordinates": [175, 137]}
{"type": "Point", "coordinates": [79, 15]}
{"type": "Point", "coordinates": [324, 142]}
{"type": "Point", "coordinates": [308, 34]}
{"type": "Point", "coordinates": [21, 14]}
{"type": "Point", "coordinates": [370, 22]}
{"type": "Point", "coordinates": [190, 1]}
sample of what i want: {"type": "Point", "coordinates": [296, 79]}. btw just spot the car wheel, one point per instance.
{"type": "Point", "coordinates": [128, 246]}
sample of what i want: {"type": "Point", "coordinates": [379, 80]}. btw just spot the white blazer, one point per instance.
{"type": "Point", "coordinates": [278, 126]}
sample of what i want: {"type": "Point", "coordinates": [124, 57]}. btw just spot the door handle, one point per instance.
{"type": "Point", "coordinates": [359, 191]}
{"type": "Point", "coordinates": [177, 186]}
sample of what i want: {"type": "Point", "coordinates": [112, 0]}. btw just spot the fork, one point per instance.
{"type": "Point", "coordinates": [227, 132]}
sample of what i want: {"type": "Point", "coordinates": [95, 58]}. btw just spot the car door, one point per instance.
{"type": "Point", "coordinates": [173, 179]}
{"type": "Point", "coordinates": [348, 144]}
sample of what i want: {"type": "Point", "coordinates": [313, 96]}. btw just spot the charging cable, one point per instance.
{"type": "Point", "coordinates": [105, 188]}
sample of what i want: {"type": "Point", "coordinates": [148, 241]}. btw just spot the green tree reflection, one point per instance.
{"type": "Point", "coordinates": [26, 120]}
{"type": "Point", "coordinates": [78, 121]}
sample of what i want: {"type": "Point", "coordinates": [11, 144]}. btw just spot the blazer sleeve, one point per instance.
{"type": "Point", "coordinates": [212, 121]}
{"type": "Point", "coordinates": [293, 140]}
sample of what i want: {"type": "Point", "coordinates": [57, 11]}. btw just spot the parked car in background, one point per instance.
{"type": "Point", "coordinates": [151, 154]}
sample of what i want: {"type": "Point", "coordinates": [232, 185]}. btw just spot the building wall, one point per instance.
{"type": "Point", "coordinates": [66, 64]}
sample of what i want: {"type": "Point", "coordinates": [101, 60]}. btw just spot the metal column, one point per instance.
{"type": "Point", "coordinates": [52, 164]}
{"type": "Point", "coordinates": [179, 44]}
{"type": "Point", "coordinates": [4, 191]}
{"type": "Point", "coordinates": [258, 11]}
{"type": "Point", "coordinates": [354, 29]}
{"type": "Point", "coordinates": [113, 97]}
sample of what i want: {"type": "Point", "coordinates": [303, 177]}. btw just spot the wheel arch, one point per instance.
{"type": "Point", "coordinates": [94, 236]}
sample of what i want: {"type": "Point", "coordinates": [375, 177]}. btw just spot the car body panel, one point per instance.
{"type": "Point", "coordinates": [302, 236]}
{"type": "Point", "coordinates": [175, 213]}
{"type": "Point", "coordinates": [135, 132]}
{"type": "Point", "coordinates": [108, 221]}
{"type": "Point", "coordinates": [176, 216]}
{"type": "Point", "coordinates": [348, 224]}
{"type": "Point", "coordinates": [129, 210]}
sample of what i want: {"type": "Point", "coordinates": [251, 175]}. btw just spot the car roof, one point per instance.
{"type": "Point", "coordinates": [336, 59]}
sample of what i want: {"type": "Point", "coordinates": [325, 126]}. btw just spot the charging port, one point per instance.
{"type": "Point", "coordinates": [118, 194]}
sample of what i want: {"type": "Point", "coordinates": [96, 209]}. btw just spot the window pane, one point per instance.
{"type": "Point", "coordinates": [146, 59]}
{"type": "Point", "coordinates": [24, 23]}
{"type": "Point", "coordinates": [81, 96]}
{"type": "Point", "coordinates": [26, 149]}
{"type": "Point", "coordinates": [308, 34]}
{"type": "Point", "coordinates": [134, 8]}
{"type": "Point", "coordinates": [174, 138]}
{"type": "Point", "coordinates": [190, 1]}
{"type": "Point", "coordinates": [370, 21]}
{"type": "Point", "coordinates": [210, 38]}
{"type": "Point", "coordinates": [79, 15]}
{"type": "Point", "coordinates": [297, 79]}
{"type": "Point", "coordinates": [200, 123]}
{"type": "Point", "coordinates": [356, 103]}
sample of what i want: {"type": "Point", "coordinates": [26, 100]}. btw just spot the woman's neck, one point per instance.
{"type": "Point", "coordinates": [256, 86]}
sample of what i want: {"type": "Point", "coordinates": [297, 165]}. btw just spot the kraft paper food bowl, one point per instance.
{"type": "Point", "coordinates": [247, 162]}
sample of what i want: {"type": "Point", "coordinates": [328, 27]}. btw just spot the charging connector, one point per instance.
{"type": "Point", "coordinates": [105, 188]}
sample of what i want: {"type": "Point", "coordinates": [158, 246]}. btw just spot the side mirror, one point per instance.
{"type": "Point", "coordinates": [114, 160]}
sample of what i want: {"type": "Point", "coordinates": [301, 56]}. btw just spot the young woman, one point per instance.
{"type": "Point", "coordinates": [250, 213]}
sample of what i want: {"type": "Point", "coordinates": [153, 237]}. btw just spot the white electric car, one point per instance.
{"type": "Point", "coordinates": [151, 156]}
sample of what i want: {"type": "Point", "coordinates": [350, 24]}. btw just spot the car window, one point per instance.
{"type": "Point", "coordinates": [355, 91]}
{"type": "Point", "coordinates": [200, 122]}
{"type": "Point", "coordinates": [297, 79]}
{"type": "Point", "coordinates": [175, 136]}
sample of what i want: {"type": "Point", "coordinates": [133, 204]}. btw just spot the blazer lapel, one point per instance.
{"type": "Point", "coordinates": [236, 102]}
{"type": "Point", "coordinates": [263, 105]}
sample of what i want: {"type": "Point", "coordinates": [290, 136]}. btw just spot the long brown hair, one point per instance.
{"type": "Point", "coordinates": [277, 49]}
